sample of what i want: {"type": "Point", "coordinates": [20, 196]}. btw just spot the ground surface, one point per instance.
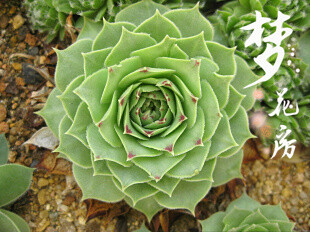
{"type": "Point", "coordinates": [54, 201]}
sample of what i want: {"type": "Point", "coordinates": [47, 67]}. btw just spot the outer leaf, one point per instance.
{"type": "Point", "coordinates": [243, 202]}
{"type": "Point", "coordinates": [186, 70]}
{"type": "Point", "coordinates": [4, 150]}
{"type": "Point", "coordinates": [12, 222]}
{"type": "Point", "coordinates": [222, 140]}
{"type": "Point", "coordinates": [139, 12]}
{"type": "Point", "coordinates": [94, 61]}
{"type": "Point", "coordinates": [14, 182]}
{"type": "Point", "coordinates": [148, 206]}
{"type": "Point", "coordinates": [72, 147]}
{"type": "Point", "coordinates": [69, 99]}
{"type": "Point", "coordinates": [190, 22]}
{"type": "Point", "coordinates": [53, 112]}
{"type": "Point", "coordinates": [223, 57]}
{"type": "Point", "coordinates": [69, 63]}
{"type": "Point", "coordinates": [227, 169]}
{"type": "Point", "coordinates": [90, 29]}
{"type": "Point", "coordinates": [158, 27]}
{"type": "Point", "coordinates": [194, 46]}
{"type": "Point", "coordinates": [213, 223]}
{"type": "Point", "coordinates": [244, 76]}
{"type": "Point", "coordinates": [195, 191]}
{"type": "Point", "coordinates": [96, 187]}
{"type": "Point", "coordinates": [240, 130]}
{"type": "Point", "coordinates": [113, 32]}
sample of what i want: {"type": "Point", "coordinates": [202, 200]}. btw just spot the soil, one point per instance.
{"type": "Point", "coordinates": [53, 203]}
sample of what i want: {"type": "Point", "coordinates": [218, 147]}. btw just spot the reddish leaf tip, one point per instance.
{"type": "Point", "coordinates": [169, 148]}
{"type": "Point", "coordinates": [144, 70]}
{"type": "Point", "coordinates": [194, 99]}
{"type": "Point", "coordinates": [182, 118]}
{"type": "Point", "coordinates": [128, 131]}
{"type": "Point", "coordinates": [198, 142]}
{"type": "Point", "coordinates": [131, 155]}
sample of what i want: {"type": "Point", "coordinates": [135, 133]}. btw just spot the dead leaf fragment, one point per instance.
{"type": "Point", "coordinates": [44, 138]}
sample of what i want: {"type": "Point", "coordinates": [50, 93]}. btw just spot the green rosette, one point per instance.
{"type": "Point", "coordinates": [149, 109]}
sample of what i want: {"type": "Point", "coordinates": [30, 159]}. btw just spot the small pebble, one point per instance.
{"type": "Point", "coordinates": [18, 21]}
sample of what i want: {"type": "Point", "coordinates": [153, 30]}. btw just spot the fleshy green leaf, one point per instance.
{"type": "Point", "coordinates": [213, 223]}
{"type": "Point", "coordinates": [81, 121]}
{"type": "Point", "coordinates": [191, 137]}
{"type": "Point", "coordinates": [158, 166]}
{"type": "Point", "coordinates": [90, 29]}
{"type": "Point", "coordinates": [110, 34]}
{"type": "Point", "coordinates": [244, 76]}
{"type": "Point", "coordinates": [195, 191]}
{"type": "Point", "coordinates": [103, 150]}
{"type": "Point", "coordinates": [76, 151]}
{"type": "Point", "coordinates": [98, 187]}
{"type": "Point", "coordinates": [69, 65]}
{"type": "Point", "coordinates": [69, 99]}
{"type": "Point", "coordinates": [128, 43]}
{"type": "Point", "coordinates": [192, 164]}
{"type": "Point", "coordinates": [94, 61]}
{"type": "Point", "coordinates": [4, 150]}
{"type": "Point", "coordinates": [148, 206]}
{"type": "Point", "coordinates": [133, 147]}
{"type": "Point", "coordinates": [194, 46]}
{"type": "Point", "coordinates": [53, 111]}
{"type": "Point", "coordinates": [139, 12]}
{"type": "Point", "coordinates": [227, 169]}
{"type": "Point", "coordinates": [243, 202]}
{"type": "Point", "coordinates": [14, 182]}
{"type": "Point", "coordinates": [239, 125]}
{"type": "Point", "coordinates": [128, 176]}
{"type": "Point", "coordinates": [223, 139]}
{"type": "Point", "coordinates": [234, 101]}
{"type": "Point", "coordinates": [212, 117]}
{"type": "Point", "coordinates": [223, 57]}
{"type": "Point", "coordinates": [12, 222]}
{"type": "Point", "coordinates": [165, 143]}
{"type": "Point", "coordinates": [186, 70]}
{"type": "Point", "coordinates": [90, 91]}
{"type": "Point", "coordinates": [158, 27]}
{"type": "Point", "coordinates": [149, 54]}
{"type": "Point", "coordinates": [219, 83]}
{"type": "Point", "coordinates": [191, 22]}
{"type": "Point", "coordinates": [165, 184]}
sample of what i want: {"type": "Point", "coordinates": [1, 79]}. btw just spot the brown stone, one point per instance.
{"type": "Point", "coordinates": [18, 21]}
{"type": "Point", "coordinates": [4, 127]}
{"type": "Point", "coordinates": [3, 112]}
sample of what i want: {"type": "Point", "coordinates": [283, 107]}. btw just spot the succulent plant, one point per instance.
{"type": "Point", "coordinates": [149, 109]}
{"type": "Point", "coordinates": [292, 73]}
{"type": "Point", "coordinates": [246, 214]}
{"type": "Point", "coordinates": [49, 16]}
{"type": "Point", "coordinates": [14, 181]}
